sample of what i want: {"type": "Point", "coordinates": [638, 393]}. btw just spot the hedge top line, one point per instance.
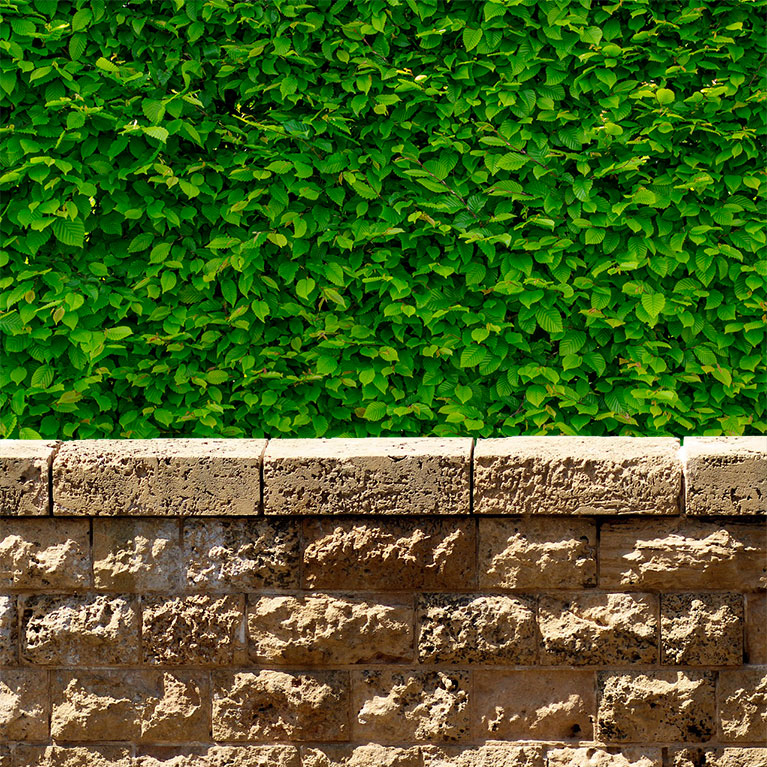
{"type": "Point", "coordinates": [385, 476]}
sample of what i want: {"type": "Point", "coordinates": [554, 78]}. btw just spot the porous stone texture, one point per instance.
{"type": "Point", "coordinates": [72, 756]}
{"type": "Point", "coordinates": [537, 553]}
{"type": "Point", "coordinates": [577, 475]}
{"type": "Point", "coordinates": [534, 705]}
{"type": "Point", "coordinates": [319, 629]}
{"type": "Point", "coordinates": [476, 628]}
{"type": "Point", "coordinates": [702, 629]}
{"type": "Point", "coordinates": [165, 477]}
{"type": "Point", "coordinates": [725, 475]}
{"type": "Point", "coordinates": [598, 629]}
{"type": "Point", "coordinates": [594, 756]}
{"type": "Point", "coordinates": [24, 705]}
{"type": "Point", "coordinates": [743, 704]}
{"type": "Point", "coordinates": [276, 705]}
{"type": "Point", "coordinates": [656, 706]}
{"type": "Point", "coordinates": [363, 476]}
{"type": "Point", "coordinates": [392, 706]}
{"type": "Point", "coordinates": [486, 755]}
{"type": "Point", "coordinates": [24, 469]}
{"type": "Point", "coordinates": [679, 554]}
{"type": "Point", "coordinates": [219, 756]}
{"type": "Point", "coordinates": [717, 757]}
{"type": "Point", "coordinates": [8, 631]}
{"type": "Point", "coordinates": [368, 755]}
{"type": "Point", "coordinates": [756, 628]}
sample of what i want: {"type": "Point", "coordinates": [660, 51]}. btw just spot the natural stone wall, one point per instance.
{"type": "Point", "coordinates": [521, 602]}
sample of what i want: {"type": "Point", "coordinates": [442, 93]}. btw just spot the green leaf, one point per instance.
{"type": "Point", "coordinates": [69, 232]}
{"type": "Point", "coordinates": [472, 356]}
{"type": "Point", "coordinates": [305, 287]}
{"type": "Point", "coordinates": [375, 411]}
{"type": "Point", "coordinates": [156, 132]}
{"type": "Point", "coordinates": [471, 38]}
{"type": "Point", "coordinates": [549, 319]}
{"type": "Point", "coordinates": [106, 65]}
{"type": "Point", "coordinates": [118, 333]}
{"type": "Point", "coordinates": [653, 303]}
{"type": "Point", "coordinates": [43, 377]}
{"type": "Point", "coordinates": [77, 46]}
{"type": "Point", "coordinates": [153, 110]}
{"type": "Point", "coordinates": [665, 95]}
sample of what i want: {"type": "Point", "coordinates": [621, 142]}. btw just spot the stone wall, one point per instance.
{"type": "Point", "coordinates": [522, 602]}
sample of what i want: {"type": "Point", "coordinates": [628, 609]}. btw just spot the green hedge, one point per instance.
{"type": "Point", "coordinates": [360, 217]}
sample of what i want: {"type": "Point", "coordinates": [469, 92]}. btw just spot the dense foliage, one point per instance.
{"type": "Point", "coordinates": [360, 217]}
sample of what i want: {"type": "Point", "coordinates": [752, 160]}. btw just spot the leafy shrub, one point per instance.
{"type": "Point", "coordinates": [382, 216]}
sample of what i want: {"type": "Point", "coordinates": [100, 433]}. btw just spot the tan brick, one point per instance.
{"type": "Point", "coordinates": [8, 631]}
{"type": "Point", "coordinates": [368, 755]}
{"type": "Point", "coordinates": [319, 629]}
{"type": "Point", "coordinates": [410, 475]}
{"type": "Point", "coordinates": [656, 706]}
{"type": "Point", "coordinates": [24, 704]}
{"type": "Point", "coordinates": [674, 554]}
{"type": "Point", "coordinates": [756, 628]}
{"type": "Point", "coordinates": [401, 705]}
{"type": "Point", "coordinates": [725, 475]}
{"type": "Point", "coordinates": [390, 554]}
{"type": "Point", "coordinates": [486, 755]}
{"type": "Point", "coordinates": [72, 756]}
{"type": "Point", "coordinates": [24, 469]}
{"type": "Point", "coordinates": [517, 553]}
{"type": "Point", "coordinates": [717, 757]}
{"type": "Point", "coordinates": [219, 756]}
{"type": "Point", "coordinates": [476, 628]}
{"type": "Point", "coordinates": [743, 704]}
{"type": "Point", "coordinates": [534, 705]}
{"type": "Point", "coordinates": [598, 629]}
{"type": "Point", "coordinates": [158, 477]}
{"type": "Point", "coordinates": [596, 756]}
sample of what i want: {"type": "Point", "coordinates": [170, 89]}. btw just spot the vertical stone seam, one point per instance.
{"type": "Point", "coordinates": [51, 458]}
{"type": "Point", "coordinates": [682, 457]}
{"type": "Point", "coordinates": [261, 509]}
{"type": "Point", "coordinates": [471, 477]}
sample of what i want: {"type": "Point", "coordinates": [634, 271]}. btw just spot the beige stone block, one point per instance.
{"type": "Point", "coordinates": [487, 755]}
{"type": "Point", "coordinates": [277, 705]}
{"type": "Point", "coordinates": [219, 756]}
{"type": "Point", "coordinates": [158, 477]}
{"type": "Point", "coordinates": [717, 757]}
{"type": "Point", "coordinates": [389, 554]}
{"type": "Point", "coordinates": [725, 475]}
{"type": "Point", "coordinates": [596, 756]}
{"type": "Point", "coordinates": [701, 629]}
{"type": "Point", "coordinates": [516, 553]}
{"type": "Point", "coordinates": [72, 756]}
{"type": "Point", "coordinates": [756, 628]}
{"type": "Point", "coordinates": [24, 704]}
{"type": "Point", "coordinates": [598, 629]}
{"type": "Point", "coordinates": [24, 473]}
{"type": "Point", "coordinates": [656, 706]}
{"type": "Point", "coordinates": [368, 755]}
{"type": "Point", "coordinates": [44, 553]}
{"type": "Point", "coordinates": [6, 757]}
{"type": "Point", "coordinates": [9, 634]}
{"type": "Point", "coordinates": [674, 554]}
{"type": "Point", "coordinates": [322, 630]}
{"type": "Point", "coordinates": [409, 475]}
{"type": "Point", "coordinates": [577, 475]}
{"type": "Point", "coordinates": [134, 554]}
{"type": "Point", "coordinates": [743, 705]}
{"type": "Point", "coordinates": [79, 630]}
{"type": "Point", "coordinates": [239, 555]}
{"type": "Point", "coordinates": [534, 705]}
{"type": "Point", "coordinates": [477, 628]}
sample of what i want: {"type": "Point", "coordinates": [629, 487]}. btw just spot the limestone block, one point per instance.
{"type": "Point", "coordinates": [389, 554]}
{"type": "Point", "coordinates": [756, 628]}
{"type": "Point", "coordinates": [196, 630]}
{"type": "Point", "coordinates": [725, 475]}
{"type": "Point", "coordinates": [718, 757]}
{"type": "Point", "coordinates": [517, 553]}
{"type": "Point", "coordinates": [219, 756]}
{"type": "Point", "coordinates": [656, 706]}
{"type": "Point", "coordinates": [476, 628]}
{"type": "Point", "coordinates": [72, 756]}
{"type": "Point", "coordinates": [577, 475]}
{"type": "Point", "coordinates": [8, 631]}
{"type": "Point", "coordinates": [595, 756]}
{"type": "Point", "coordinates": [24, 472]}
{"type": "Point", "coordinates": [368, 755]}
{"type": "Point", "coordinates": [534, 705]}
{"type": "Point", "coordinates": [79, 630]}
{"type": "Point", "coordinates": [24, 704]}
{"type": "Point", "coordinates": [487, 755]}
{"type": "Point", "coordinates": [158, 477]}
{"type": "Point", "coordinates": [321, 630]}
{"type": "Point", "coordinates": [135, 554]}
{"type": "Point", "coordinates": [598, 629]}
{"type": "Point", "coordinates": [44, 553]}
{"type": "Point", "coordinates": [681, 553]}
{"type": "Point", "coordinates": [400, 705]}
{"type": "Point", "coordinates": [702, 629]}
{"type": "Point", "coordinates": [238, 555]}
{"type": "Point", "coordinates": [277, 705]}
{"type": "Point", "coordinates": [409, 475]}
{"type": "Point", "coordinates": [743, 704]}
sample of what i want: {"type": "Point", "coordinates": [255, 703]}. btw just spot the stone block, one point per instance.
{"type": "Point", "coordinates": [577, 475]}
{"type": "Point", "coordinates": [9, 634]}
{"type": "Point", "coordinates": [72, 756]}
{"type": "Point", "coordinates": [24, 705]}
{"type": "Point", "coordinates": [743, 705]}
{"type": "Point", "coordinates": [717, 757]}
{"type": "Point", "coordinates": [756, 628]}
{"type": "Point", "coordinates": [158, 477]}
{"type": "Point", "coordinates": [219, 756]}
{"type": "Point", "coordinates": [24, 477]}
{"type": "Point", "coordinates": [596, 756]}
{"type": "Point", "coordinates": [368, 755]}
{"type": "Point", "coordinates": [409, 475]}
{"type": "Point", "coordinates": [486, 755]}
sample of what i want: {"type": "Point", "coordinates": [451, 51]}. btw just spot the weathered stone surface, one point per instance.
{"type": "Point", "coordinates": [537, 553]}
{"type": "Point", "coordinates": [577, 475]}
{"type": "Point", "coordinates": [138, 706]}
{"type": "Point", "coordinates": [79, 630]}
{"type": "Point", "coordinates": [158, 477]}
{"type": "Point", "coordinates": [197, 630]}
{"type": "Point", "coordinates": [24, 469]}
{"type": "Point", "coordinates": [476, 628]}
{"type": "Point", "coordinates": [277, 705]}
{"type": "Point", "coordinates": [6, 758]}
{"type": "Point", "coordinates": [725, 475]}
{"type": "Point", "coordinates": [486, 755]}
{"type": "Point", "coordinates": [702, 629]}
{"type": "Point", "coordinates": [409, 475]}
{"type": "Point", "coordinates": [391, 554]}
{"type": "Point", "coordinates": [238, 555]}
{"type": "Point", "coordinates": [743, 704]}
{"type": "Point", "coordinates": [319, 629]}
{"type": "Point", "coordinates": [718, 757]}
{"type": "Point", "coordinates": [44, 553]}
{"type": "Point", "coordinates": [534, 705]}
{"type": "Point", "coordinates": [220, 756]}
{"type": "Point", "coordinates": [602, 629]}
{"type": "Point", "coordinates": [594, 756]}
{"type": "Point", "coordinates": [656, 706]}
{"type": "Point", "coordinates": [132, 554]}
{"type": "Point", "coordinates": [368, 755]}
{"type": "Point", "coordinates": [683, 554]}
{"type": "Point", "coordinates": [72, 756]}
{"type": "Point", "coordinates": [24, 704]}
{"type": "Point", "coordinates": [395, 706]}
{"type": "Point", "coordinates": [8, 632]}
{"type": "Point", "coordinates": [756, 628]}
